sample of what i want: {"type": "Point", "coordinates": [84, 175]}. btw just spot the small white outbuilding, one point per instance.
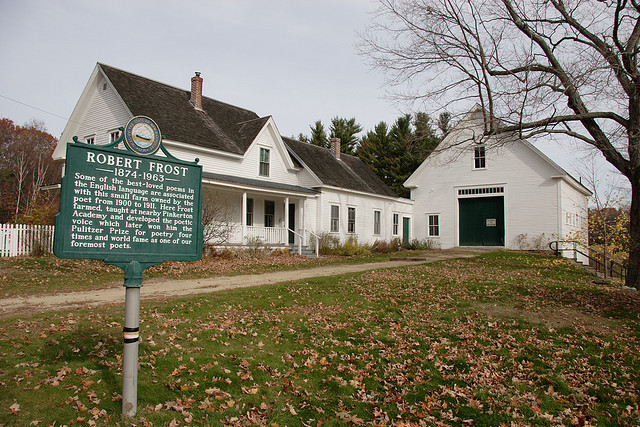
{"type": "Point", "coordinates": [495, 191]}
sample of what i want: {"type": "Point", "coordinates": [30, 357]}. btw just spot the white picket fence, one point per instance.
{"type": "Point", "coordinates": [22, 239]}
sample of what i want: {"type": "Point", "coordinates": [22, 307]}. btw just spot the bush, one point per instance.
{"type": "Point", "coordinates": [384, 247]}
{"type": "Point", "coordinates": [38, 249]}
{"type": "Point", "coordinates": [328, 244]}
{"type": "Point", "coordinates": [421, 245]}
{"type": "Point", "coordinates": [255, 248]}
{"type": "Point", "coordinates": [352, 247]}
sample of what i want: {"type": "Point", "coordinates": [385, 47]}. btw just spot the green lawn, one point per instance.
{"type": "Point", "coordinates": [505, 338]}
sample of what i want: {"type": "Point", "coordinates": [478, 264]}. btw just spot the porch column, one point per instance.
{"type": "Point", "coordinates": [243, 219]}
{"type": "Point", "coordinates": [303, 204]}
{"type": "Point", "coordinates": [286, 215]}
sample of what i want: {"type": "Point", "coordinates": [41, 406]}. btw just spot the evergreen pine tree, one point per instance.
{"type": "Point", "coordinates": [318, 135]}
{"type": "Point", "coordinates": [346, 130]}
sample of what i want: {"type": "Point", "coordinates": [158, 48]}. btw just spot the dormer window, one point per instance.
{"type": "Point", "coordinates": [479, 160]}
{"type": "Point", "coordinates": [264, 162]}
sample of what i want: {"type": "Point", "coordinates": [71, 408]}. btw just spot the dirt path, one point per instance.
{"type": "Point", "coordinates": [160, 289]}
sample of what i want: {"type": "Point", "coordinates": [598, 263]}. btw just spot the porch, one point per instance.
{"type": "Point", "coordinates": [299, 241]}
{"type": "Point", "coordinates": [243, 216]}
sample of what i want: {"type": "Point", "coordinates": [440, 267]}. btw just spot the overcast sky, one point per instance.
{"type": "Point", "coordinates": [294, 60]}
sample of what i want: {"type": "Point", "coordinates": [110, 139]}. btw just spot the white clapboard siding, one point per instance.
{"type": "Point", "coordinates": [22, 239]}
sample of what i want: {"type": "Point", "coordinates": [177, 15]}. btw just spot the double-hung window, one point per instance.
{"type": "Point", "coordinates": [335, 218]}
{"type": "Point", "coordinates": [376, 222]}
{"type": "Point", "coordinates": [249, 212]}
{"type": "Point", "coordinates": [114, 135]}
{"type": "Point", "coordinates": [264, 162]}
{"type": "Point", "coordinates": [269, 212]}
{"type": "Point", "coordinates": [479, 159]}
{"type": "Point", "coordinates": [351, 220]}
{"type": "Point", "coordinates": [396, 222]}
{"type": "Point", "coordinates": [434, 225]}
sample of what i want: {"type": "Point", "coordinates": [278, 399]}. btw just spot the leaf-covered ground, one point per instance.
{"type": "Point", "coordinates": [24, 275]}
{"type": "Point", "coordinates": [503, 339]}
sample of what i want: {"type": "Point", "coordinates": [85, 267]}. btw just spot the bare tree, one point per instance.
{"type": "Point", "coordinates": [25, 166]}
{"type": "Point", "coordinates": [20, 169]}
{"type": "Point", "coordinates": [537, 67]}
{"type": "Point", "coordinates": [217, 222]}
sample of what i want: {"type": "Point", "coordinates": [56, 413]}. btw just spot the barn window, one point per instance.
{"type": "Point", "coordinates": [488, 190]}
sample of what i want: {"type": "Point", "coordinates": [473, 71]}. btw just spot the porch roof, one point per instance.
{"type": "Point", "coordinates": [259, 183]}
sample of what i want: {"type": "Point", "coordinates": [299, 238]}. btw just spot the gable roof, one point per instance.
{"type": "Point", "coordinates": [217, 126]}
{"type": "Point", "coordinates": [349, 172]}
{"type": "Point", "coordinates": [223, 127]}
{"type": "Point", "coordinates": [473, 119]}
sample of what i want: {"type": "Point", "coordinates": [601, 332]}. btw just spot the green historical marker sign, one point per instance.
{"type": "Point", "coordinates": [119, 206]}
{"type": "Point", "coordinates": [131, 208]}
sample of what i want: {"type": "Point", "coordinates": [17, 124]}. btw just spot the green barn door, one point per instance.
{"type": "Point", "coordinates": [481, 221]}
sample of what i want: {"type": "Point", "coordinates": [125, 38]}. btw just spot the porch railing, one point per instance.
{"type": "Point", "coordinates": [267, 235]}
{"type": "Point", "coordinates": [272, 236]}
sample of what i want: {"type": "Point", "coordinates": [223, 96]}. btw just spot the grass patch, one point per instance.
{"type": "Point", "coordinates": [442, 343]}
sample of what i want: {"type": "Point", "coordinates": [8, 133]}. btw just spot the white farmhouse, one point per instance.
{"type": "Point", "coordinates": [493, 192]}
{"type": "Point", "coordinates": [279, 190]}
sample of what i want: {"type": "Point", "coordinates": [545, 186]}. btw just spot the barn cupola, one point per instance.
{"type": "Point", "coordinates": [196, 91]}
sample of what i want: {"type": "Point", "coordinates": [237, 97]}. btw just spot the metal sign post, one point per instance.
{"type": "Point", "coordinates": [133, 282]}
{"type": "Point", "coordinates": [133, 209]}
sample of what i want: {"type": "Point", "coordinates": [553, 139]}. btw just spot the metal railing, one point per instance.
{"type": "Point", "coordinates": [316, 238]}
{"type": "Point", "coordinates": [597, 260]}
{"type": "Point", "coordinates": [300, 237]}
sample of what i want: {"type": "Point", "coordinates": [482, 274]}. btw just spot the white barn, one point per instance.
{"type": "Point", "coordinates": [279, 191]}
{"type": "Point", "coordinates": [502, 193]}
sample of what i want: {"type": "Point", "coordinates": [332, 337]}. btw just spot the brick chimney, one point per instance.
{"type": "Point", "coordinates": [335, 147]}
{"type": "Point", "coordinates": [196, 91]}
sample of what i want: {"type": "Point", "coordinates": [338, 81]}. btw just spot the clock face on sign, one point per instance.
{"type": "Point", "coordinates": [142, 135]}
